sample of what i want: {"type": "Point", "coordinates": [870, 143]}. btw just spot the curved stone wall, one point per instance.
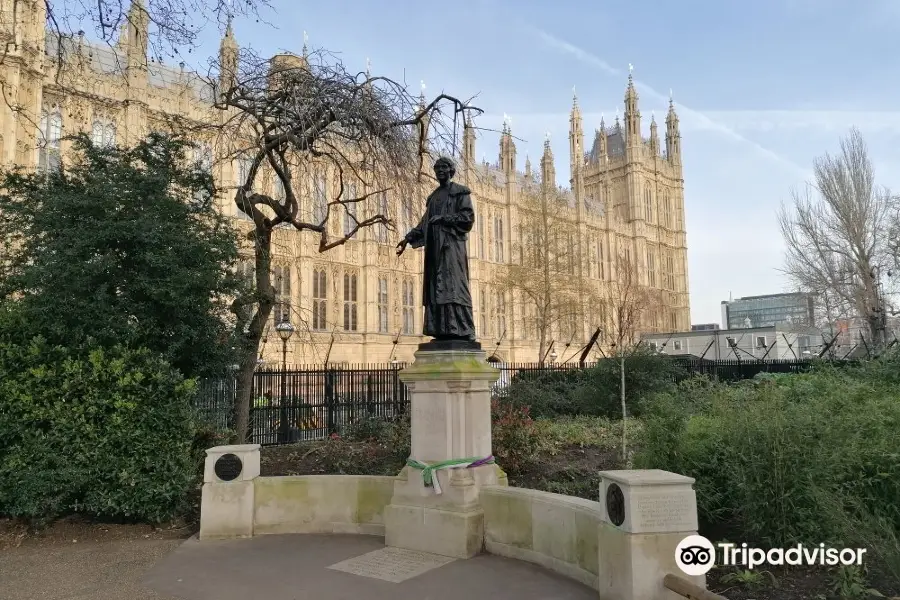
{"type": "Point", "coordinates": [555, 531]}
{"type": "Point", "coordinates": [321, 504]}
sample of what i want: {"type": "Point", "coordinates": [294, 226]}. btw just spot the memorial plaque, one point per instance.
{"type": "Point", "coordinates": [392, 564]}
{"type": "Point", "coordinates": [615, 504]}
{"type": "Point", "coordinates": [228, 467]}
{"type": "Point", "coordinates": [662, 511]}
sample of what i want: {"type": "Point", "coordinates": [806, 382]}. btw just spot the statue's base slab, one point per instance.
{"type": "Point", "coordinates": [438, 345]}
{"type": "Point", "coordinates": [450, 412]}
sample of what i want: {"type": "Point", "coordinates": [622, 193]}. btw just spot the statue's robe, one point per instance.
{"type": "Point", "coordinates": [445, 293]}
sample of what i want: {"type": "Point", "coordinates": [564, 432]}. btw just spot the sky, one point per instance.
{"type": "Point", "coordinates": [761, 89]}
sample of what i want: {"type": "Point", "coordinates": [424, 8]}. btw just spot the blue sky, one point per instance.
{"type": "Point", "coordinates": [761, 88]}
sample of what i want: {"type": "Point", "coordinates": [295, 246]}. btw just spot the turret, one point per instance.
{"type": "Point", "coordinates": [673, 135]}
{"type": "Point", "coordinates": [632, 116]}
{"type": "Point", "coordinates": [507, 151]}
{"type": "Point", "coordinates": [600, 148]}
{"type": "Point", "coordinates": [654, 136]}
{"type": "Point", "coordinates": [576, 154]}
{"type": "Point", "coordinates": [136, 40]}
{"type": "Point", "coordinates": [228, 59]}
{"type": "Point", "coordinates": [468, 150]}
{"type": "Point", "coordinates": [548, 171]}
{"type": "Point", "coordinates": [529, 176]}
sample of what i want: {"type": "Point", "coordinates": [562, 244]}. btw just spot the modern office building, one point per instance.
{"type": "Point", "coordinates": [767, 311]}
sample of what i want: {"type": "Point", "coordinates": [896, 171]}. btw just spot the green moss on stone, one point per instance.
{"type": "Point", "coordinates": [372, 496]}
{"type": "Point", "coordinates": [508, 518]}
{"type": "Point", "coordinates": [587, 542]}
{"type": "Point", "coordinates": [279, 490]}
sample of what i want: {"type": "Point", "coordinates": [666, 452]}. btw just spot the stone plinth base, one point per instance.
{"type": "Point", "coordinates": [450, 406]}
{"type": "Point", "coordinates": [645, 516]}
{"type": "Point", "coordinates": [227, 503]}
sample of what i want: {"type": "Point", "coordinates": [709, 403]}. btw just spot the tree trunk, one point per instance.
{"type": "Point", "coordinates": [624, 411]}
{"type": "Point", "coordinates": [243, 399]}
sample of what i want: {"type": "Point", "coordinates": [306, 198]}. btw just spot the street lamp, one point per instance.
{"type": "Point", "coordinates": [285, 331]}
{"type": "Point", "coordinates": [553, 355]}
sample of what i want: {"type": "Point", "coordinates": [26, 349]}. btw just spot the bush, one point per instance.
{"type": "Point", "coordinates": [514, 440]}
{"type": "Point", "coordinates": [786, 458]}
{"type": "Point", "coordinates": [107, 433]}
{"type": "Point", "coordinates": [594, 391]}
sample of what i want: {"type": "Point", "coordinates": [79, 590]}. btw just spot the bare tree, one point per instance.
{"type": "Point", "coordinates": [626, 303]}
{"type": "Point", "coordinates": [837, 233]}
{"type": "Point", "coordinates": [293, 119]}
{"type": "Point", "coordinates": [543, 272]}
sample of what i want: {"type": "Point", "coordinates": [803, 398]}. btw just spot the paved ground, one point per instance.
{"type": "Point", "coordinates": [82, 571]}
{"type": "Point", "coordinates": [289, 567]}
{"type": "Point", "coordinates": [295, 567]}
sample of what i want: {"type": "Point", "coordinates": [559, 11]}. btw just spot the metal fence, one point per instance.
{"type": "Point", "coordinates": [308, 403]}
{"type": "Point", "coordinates": [311, 403]}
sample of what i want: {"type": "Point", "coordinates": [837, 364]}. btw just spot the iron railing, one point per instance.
{"type": "Point", "coordinates": [313, 402]}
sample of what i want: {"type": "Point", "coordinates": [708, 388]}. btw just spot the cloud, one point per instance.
{"type": "Point", "coordinates": [826, 121]}
{"type": "Point", "coordinates": [697, 117]}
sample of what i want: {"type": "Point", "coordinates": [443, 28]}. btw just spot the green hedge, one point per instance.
{"type": "Point", "coordinates": [594, 391]}
{"type": "Point", "coordinates": [107, 433]}
{"type": "Point", "coordinates": [783, 459]}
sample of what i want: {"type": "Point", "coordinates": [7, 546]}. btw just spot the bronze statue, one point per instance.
{"type": "Point", "coordinates": [443, 231]}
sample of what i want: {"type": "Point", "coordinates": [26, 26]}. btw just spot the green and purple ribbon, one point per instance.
{"type": "Point", "coordinates": [429, 477]}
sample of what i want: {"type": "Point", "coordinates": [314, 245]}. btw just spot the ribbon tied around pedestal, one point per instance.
{"type": "Point", "coordinates": [429, 476]}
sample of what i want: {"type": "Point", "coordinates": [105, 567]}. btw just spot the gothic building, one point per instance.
{"type": "Point", "coordinates": [360, 303]}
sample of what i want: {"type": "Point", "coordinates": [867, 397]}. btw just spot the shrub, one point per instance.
{"type": "Point", "coordinates": [594, 391]}
{"type": "Point", "coordinates": [787, 458]}
{"type": "Point", "coordinates": [107, 433]}
{"type": "Point", "coordinates": [514, 440]}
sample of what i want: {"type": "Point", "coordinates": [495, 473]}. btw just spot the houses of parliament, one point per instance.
{"type": "Point", "coordinates": [359, 302]}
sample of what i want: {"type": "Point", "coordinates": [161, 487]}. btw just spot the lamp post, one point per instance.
{"type": "Point", "coordinates": [553, 355]}
{"type": "Point", "coordinates": [285, 331]}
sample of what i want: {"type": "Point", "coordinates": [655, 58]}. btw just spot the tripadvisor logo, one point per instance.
{"type": "Point", "coordinates": [695, 555]}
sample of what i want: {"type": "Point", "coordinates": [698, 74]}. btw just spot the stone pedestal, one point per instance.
{"type": "Point", "coordinates": [450, 405]}
{"type": "Point", "coordinates": [226, 508]}
{"type": "Point", "coordinates": [645, 515]}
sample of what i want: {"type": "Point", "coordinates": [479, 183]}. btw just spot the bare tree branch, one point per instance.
{"type": "Point", "coordinates": [838, 234]}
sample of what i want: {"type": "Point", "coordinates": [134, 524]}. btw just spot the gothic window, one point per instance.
{"type": "Point", "coordinates": [408, 308]}
{"type": "Point", "coordinates": [282, 285]}
{"type": "Point", "coordinates": [648, 205]}
{"type": "Point", "coordinates": [667, 210]}
{"type": "Point", "coordinates": [481, 236]}
{"type": "Point", "coordinates": [244, 163]}
{"type": "Point", "coordinates": [278, 188]}
{"type": "Point", "coordinates": [498, 239]}
{"type": "Point", "coordinates": [49, 158]}
{"type": "Point", "coordinates": [382, 305]}
{"type": "Point", "coordinates": [247, 272]}
{"type": "Point", "coordinates": [381, 230]}
{"type": "Point", "coordinates": [482, 313]}
{"type": "Point", "coordinates": [103, 133]}
{"type": "Point", "coordinates": [501, 314]}
{"type": "Point", "coordinates": [350, 307]}
{"type": "Point", "coordinates": [349, 209]}
{"type": "Point", "coordinates": [203, 156]}
{"type": "Point", "coordinates": [408, 216]}
{"type": "Point", "coordinates": [651, 268]}
{"type": "Point", "coordinates": [320, 198]}
{"type": "Point", "coordinates": [570, 251]}
{"type": "Point", "coordinates": [320, 300]}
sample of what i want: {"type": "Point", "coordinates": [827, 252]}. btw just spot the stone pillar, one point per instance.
{"type": "Point", "coordinates": [450, 405]}
{"type": "Point", "coordinates": [226, 509]}
{"type": "Point", "coordinates": [645, 515]}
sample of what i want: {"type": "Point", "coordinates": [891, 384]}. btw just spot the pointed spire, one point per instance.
{"type": "Point", "coordinates": [422, 93]}
{"type": "Point", "coordinates": [368, 68]}
{"type": "Point", "coordinates": [574, 98]}
{"type": "Point", "coordinates": [305, 44]}
{"type": "Point", "coordinates": [602, 124]}
{"type": "Point", "coordinates": [527, 166]}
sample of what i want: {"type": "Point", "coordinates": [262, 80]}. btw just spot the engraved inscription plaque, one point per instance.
{"type": "Point", "coordinates": [228, 467]}
{"type": "Point", "coordinates": [615, 504]}
{"type": "Point", "coordinates": [392, 564]}
{"type": "Point", "coordinates": [663, 512]}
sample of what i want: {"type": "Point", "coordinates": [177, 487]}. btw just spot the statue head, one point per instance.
{"type": "Point", "coordinates": [444, 169]}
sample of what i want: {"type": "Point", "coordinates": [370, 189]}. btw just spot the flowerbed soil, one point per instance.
{"type": "Point", "coordinates": [796, 583]}
{"type": "Point", "coordinates": [79, 530]}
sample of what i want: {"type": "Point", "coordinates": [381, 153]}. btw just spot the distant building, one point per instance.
{"type": "Point", "coordinates": [767, 311]}
{"type": "Point", "coordinates": [756, 343]}
{"type": "Point", "coordinates": [705, 327]}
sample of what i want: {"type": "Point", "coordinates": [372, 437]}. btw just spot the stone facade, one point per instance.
{"type": "Point", "coordinates": [626, 197]}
